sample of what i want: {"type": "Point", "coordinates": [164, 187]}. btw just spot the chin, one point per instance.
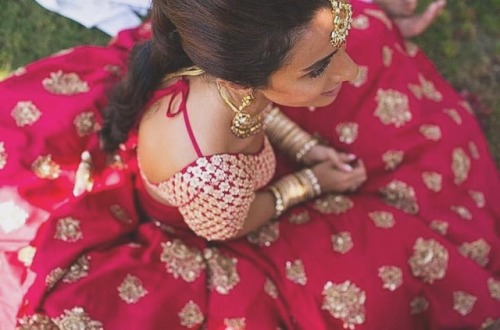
{"type": "Point", "coordinates": [323, 102]}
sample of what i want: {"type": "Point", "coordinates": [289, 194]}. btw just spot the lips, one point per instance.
{"type": "Point", "coordinates": [333, 92]}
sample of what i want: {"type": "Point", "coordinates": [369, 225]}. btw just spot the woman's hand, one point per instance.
{"type": "Point", "coordinates": [322, 153]}
{"type": "Point", "coordinates": [333, 179]}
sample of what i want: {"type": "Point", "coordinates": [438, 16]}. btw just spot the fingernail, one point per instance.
{"type": "Point", "coordinates": [351, 156]}
{"type": "Point", "coordinates": [347, 168]}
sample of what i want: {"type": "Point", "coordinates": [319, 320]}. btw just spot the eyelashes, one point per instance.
{"type": "Point", "coordinates": [321, 68]}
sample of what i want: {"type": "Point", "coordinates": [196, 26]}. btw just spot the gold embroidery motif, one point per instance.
{"type": "Point", "coordinates": [15, 214]}
{"type": "Point", "coordinates": [191, 315]}
{"type": "Point", "coordinates": [474, 151]}
{"type": "Point", "coordinates": [392, 159]}
{"type": "Point", "coordinates": [53, 277]}
{"type": "Point", "coordinates": [432, 180]}
{"type": "Point", "coordinates": [342, 242]}
{"type": "Point", "coordinates": [120, 214]}
{"type": "Point", "coordinates": [345, 301]}
{"type": "Point", "coordinates": [26, 255]}
{"type": "Point", "coordinates": [419, 305]}
{"type": "Point", "coordinates": [386, 56]}
{"type": "Point", "coordinates": [332, 203]}
{"type": "Point", "coordinates": [382, 219]}
{"type": "Point", "coordinates": [25, 113]}
{"type": "Point", "coordinates": [462, 212]}
{"type": "Point", "coordinates": [429, 260]}
{"type": "Point", "coordinates": [454, 115]}
{"type": "Point", "coordinates": [439, 226]}
{"type": "Point", "coordinates": [271, 289]}
{"type": "Point", "coordinates": [400, 195]}
{"type": "Point", "coordinates": [3, 155]}
{"type": "Point", "coordinates": [381, 16]}
{"type": "Point", "coordinates": [426, 89]}
{"type": "Point", "coordinates": [295, 272]}
{"type": "Point", "coordinates": [360, 22]}
{"type": "Point", "coordinates": [60, 83]}
{"type": "Point", "coordinates": [222, 271]}
{"type": "Point", "coordinates": [431, 132]}
{"type": "Point", "coordinates": [466, 105]}
{"type": "Point", "coordinates": [463, 302]}
{"type": "Point", "coordinates": [68, 230]}
{"type": "Point", "coordinates": [19, 71]}
{"type": "Point", "coordinates": [300, 218]}
{"type": "Point", "coordinates": [347, 132]}
{"type": "Point", "coordinates": [131, 290]}
{"type": "Point", "coordinates": [392, 107]}
{"type": "Point", "coordinates": [235, 324]}
{"type": "Point", "coordinates": [45, 168]}
{"type": "Point", "coordinates": [85, 124]}
{"type": "Point", "coordinates": [77, 319]}
{"type": "Point", "coordinates": [494, 288]}
{"type": "Point", "coordinates": [265, 235]}
{"type": "Point", "coordinates": [461, 165]}
{"type": "Point", "coordinates": [362, 76]}
{"type": "Point", "coordinates": [36, 322]}
{"type": "Point", "coordinates": [477, 251]}
{"type": "Point", "coordinates": [78, 270]}
{"type": "Point", "coordinates": [487, 323]}
{"type": "Point", "coordinates": [411, 48]}
{"type": "Point", "coordinates": [182, 261]}
{"type": "Point", "coordinates": [391, 276]}
{"type": "Point", "coordinates": [478, 198]}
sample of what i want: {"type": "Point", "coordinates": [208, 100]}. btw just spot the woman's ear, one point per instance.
{"type": "Point", "coordinates": [234, 88]}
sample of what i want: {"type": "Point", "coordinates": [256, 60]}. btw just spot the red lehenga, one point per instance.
{"type": "Point", "coordinates": [417, 247]}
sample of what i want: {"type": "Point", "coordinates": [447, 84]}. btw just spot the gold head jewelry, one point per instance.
{"type": "Point", "coordinates": [244, 124]}
{"type": "Point", "coordinates": [342, 19]}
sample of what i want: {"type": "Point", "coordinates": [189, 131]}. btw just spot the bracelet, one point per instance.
{"type": "Point", "coordinates": [305, 149]}
{"type": "Point", "coordinates": [279, 206]}
{"type": "Point", "coordinates": [313, 180]}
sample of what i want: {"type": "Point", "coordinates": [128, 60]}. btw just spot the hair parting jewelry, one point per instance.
{"type": "Point", "coordinates": [342, 19]}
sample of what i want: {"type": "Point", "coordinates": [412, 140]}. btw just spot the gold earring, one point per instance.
{"type": "Point", "coordinates": [244, 124]}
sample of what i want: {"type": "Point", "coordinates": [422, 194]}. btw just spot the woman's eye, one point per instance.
{"type": "Point", "coordinates": [320, 70]}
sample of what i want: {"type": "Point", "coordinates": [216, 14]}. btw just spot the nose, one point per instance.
{"type": "Point", "coordinates": [345, 69]}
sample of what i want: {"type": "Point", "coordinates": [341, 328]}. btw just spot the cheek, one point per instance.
{"type": "Point", "coordinates": [301, 93]}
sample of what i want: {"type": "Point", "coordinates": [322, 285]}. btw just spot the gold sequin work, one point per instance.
{"type": "Point", "coordinates": [36, 322]}
{"type": "Point", "coordinates": [53, 277]}
{"type": "Point", "coordinates": [68, 230]}
{"type": "Point", "coordinates": [454, 115]}
{"type": "Point", "coordinates": [222, 271]}
{"type": "Point", "coordinates": [477, 251]}
{"type": "Point", "coordinates": [26, 255]}
{"type": "Point", "coordinates": [381, 16]}
{"type": "Point", "coordinates": [362, 76]}
{"type": "Point", "coordinates": [391, 276]}
{"type": "Point", "coordinates": [346, 302]}
{"type": "Point", "coordinates": [265, 235]}
{"type": "Point", "coordinates": [300, 218]}
{"type": "Point", "coordinates": [271, 289]}
{"type": "Point", "coordinates": [191, 315]}
{"type": "Point", "coordinates": [460, 165]}
{"type": "Point", "coordinates": [295, 272]}
{"type": "Point", "coordinates": [400, 195]}
{"type": "Point", "coordinates": [182, 261]}
{"type": "Point", "coordinates": [439, 226]}
{"type": "Point", "coordinates": [347, 132]}
{"type": "Point", "coordinates": [392, 107]}
{"type": "Point", "coordinates": [431, 132]}
{"type": "Point", "coordinates": [77, 318]}
{"type": "Point", "coordinates": [429, 260]}
{"type": "Point", "coordinates": [360, 22]}
{"type": "Point", "coordinates": [342, 242]}
{"type": "Point", "coordinates": [3, 155]}
{"type": "Point", "coordinates": [411, 48]}
{"type": "Point", "coordinates": [85, 124]}
{"type": "Point", "coordinates": [382, 219]}
{"type": "Point", "coordinates": [131, 289]}
{"type": "Point", "coordinates": [78, 270]}
{"type": "Point", "coordinates": [418, 305]}
{"type": "Point", "coordinates": [333, 204]}
{"type": "Point", "coordinates": [60, 83]}
{"type": "Point", "coordinates": [25, 113]}
{"type": "Point", "coordinates": [235, 324]}
{"type": "Point", "coordinates": [474, 151]}
{"type": "Point", "coordinates": [463, 302]}
{"type": "Point", "coordinates": [426, 89]}
{"type": "Point", "coordinates": [462, 212]}
{"type": "Point", "coordinates": [387, 56]}
{"type": "Point", "coordinates": [392, 159]}
{"type": "Point", "coordinates": [120, 214]}
{"type": "Point", "coordinates": [478, 198]}
{"type": "Point", "coordinates": [45, 168]}
{"type": "Point", "coordinates": [433, 181]}
{"type": "Point", "coordinates": [494, 288]}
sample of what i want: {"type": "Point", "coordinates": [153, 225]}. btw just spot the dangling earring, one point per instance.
{"type": "Point", "coordinates": [244, 124]}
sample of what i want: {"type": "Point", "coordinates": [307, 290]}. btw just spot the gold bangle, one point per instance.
{"type": "Point", "coordinates": [305, 149]}
{"type": "Point", "coordinates": [279, 207]}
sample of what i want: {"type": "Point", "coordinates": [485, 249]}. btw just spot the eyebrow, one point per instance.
{"type": "Point", "coordinates": [317, 63]}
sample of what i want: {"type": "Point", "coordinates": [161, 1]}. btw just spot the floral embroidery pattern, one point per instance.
{"type": "Point", "coordinates": [431, 132]}
{"type": "Point", "coordinates": [460, 165]}
{"type": "Point", "coordinates": [474, 151]}
{"type": "Point", "coordinates": [36, 322]}
{"type": "Point", "coordinates": [454, 115]}
{"type": "Point", "coordinates": [271, 289]}
{"type": "Point", "coordinates": [362, 76]}
{"type": "Point", "coordinates": [432, 180]}
{"type": "Point", "coordinates": [182, 261]}
{"type": "Point", "coordinates": [386, 56]}
{"type": "Point", "coordinates": [425, 89]}
{"type": "Point", "coordinates": [463, 302]}
{"type": "Point", "coordinates": [360, 22]}
{"type": "Point", "coordinates": [3, 155]}
{"type": "Point", "coordinates": [332, 203]}
{"type": "Point", "coordinates": [439, 226]}
{"type": "Point", "coordinates": [45, 168]}
{"type": "Point", "coordinates": [77, 319]}
{"type": "Point", "coordinates": [381, 16]}
{"type": "Point", "coordinates": [382, 219]}
{"type": "Point", "coordinates": [131, 289]}
{"type": "Point", "coordinates": [478, 198]}
{"type": "Point", "coordinates": [391, 276]}
{"type": "Point", "coordinates": [68, 230]}
{"type": "Point", "coordinates": [78, 270]}
{"type": "Point", "coordinates": [16, 216]}
{"type": "Point", "coordinates": [401, 196]}
{"type": "Point", "coordinates": [222, 271]}
{"type": "Point", "coordinates": [392, 159]}
{"type": "Point", "coordinates": [53, 277]}
{"type": "Point", "coordinates": [494, 288]}
{"type": "Point", "coordinates": [393, 107]}
{"type": "Point", "coordinates": [347, 132]}
{"type": "Point", "coordinates": [466, 105]}
{"type": "Point", "coordinates": [191, 315]}
{"type": "Point", "coordinates": [345, 301]}
{"type": "Point", "coordinates": [477, 251]}
{"type": "Point", "coordinates": [411, 48]}
{"type": "Point", "coordinates": [342, 242]}
{"type": "Point", "coordinates": [429, 260]}
{"type": "Point", "coordinates": [300, 218]}
{"type": "Point", "coordinates": [295, 272]}
{"type": "Point", "coordinates": [25, 113]}
{"type": "Point", "coordinates": [60, 83]}
{"type": "Point", "coordinates": [419, 305]}
{"type": "Point", "coordinates": [462, 212]}
{"type": "Point", "coordinates": [235, 324]}
{"type": "Point", "coordinates": [85, 124]}
{"type": "Point", "coordinates": [120, 214]}
{"type": "Point", "coordinates": [265, 235]}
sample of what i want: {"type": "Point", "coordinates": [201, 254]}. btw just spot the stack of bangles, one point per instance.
{"type": "Point", "coordinates": [284, 133]}
{"type": "Point", "coordinates": [294, 189]}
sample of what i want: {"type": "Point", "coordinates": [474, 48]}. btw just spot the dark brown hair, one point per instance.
{"type": "Point", "coordinates": [242, 41]}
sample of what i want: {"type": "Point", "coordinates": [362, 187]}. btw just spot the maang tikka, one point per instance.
{"type": "Point", "coordinates": [244, 124]}
{"type": "Point", "coordinates": [342, 19]}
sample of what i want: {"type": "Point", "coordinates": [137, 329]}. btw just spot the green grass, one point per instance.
{"type": "Point", "coordinates": [464, 43]}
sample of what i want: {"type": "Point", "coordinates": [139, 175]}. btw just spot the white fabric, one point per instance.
{"type": "Point", "coordinates": [110, 16]}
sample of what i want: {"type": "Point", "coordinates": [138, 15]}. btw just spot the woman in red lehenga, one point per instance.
{"type": "Point", "coordinates": [123, 246]}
